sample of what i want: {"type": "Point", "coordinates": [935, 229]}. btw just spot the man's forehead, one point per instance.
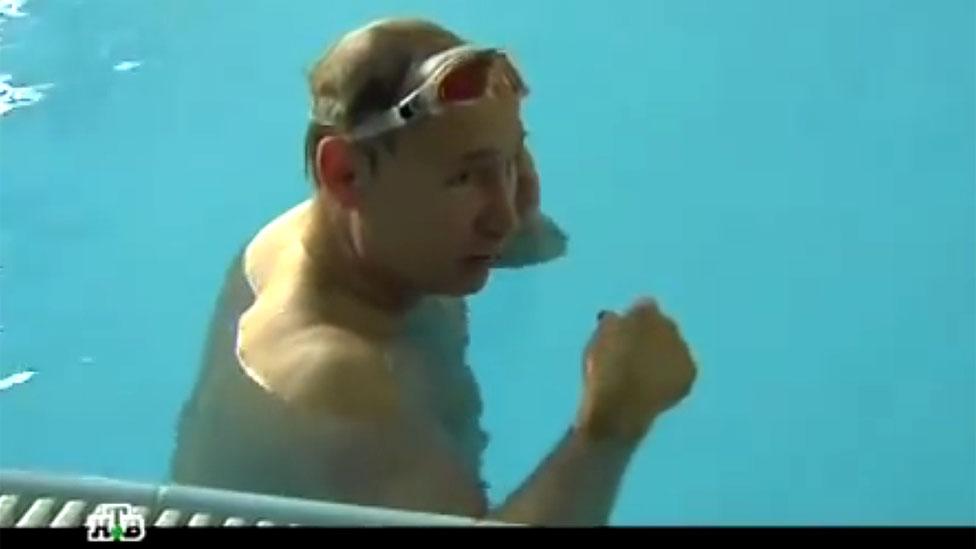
{"type": "Point", "coordinates": [492, 124]}
{"type": "Point", "coordinates": [489, 152]}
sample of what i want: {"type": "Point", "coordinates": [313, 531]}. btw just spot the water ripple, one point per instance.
{"type": "Point", "coordinates": [16, 379]}
{"type": "Point", "coordinates": [15, 97]}
{"type": "Point", "coordinates": [11, 8]}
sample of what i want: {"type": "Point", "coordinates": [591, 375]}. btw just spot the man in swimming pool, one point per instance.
{"type": "Point", "coordinates": [315, 384]}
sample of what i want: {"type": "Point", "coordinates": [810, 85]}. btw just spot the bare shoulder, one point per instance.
{"type": "Point", "coordinates": [263, 252]}
{"type": "Point", "coordinates": [343, 372]}
{"type": "Point", "coordinates": [322, 368]}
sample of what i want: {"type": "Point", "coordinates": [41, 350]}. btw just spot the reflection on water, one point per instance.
{"type": "Point", "coordinates": [11, 8]}
{"type": "Point", "coordinates": [13, 95]}
{"type": "Point", "coordinates": [16, 379]}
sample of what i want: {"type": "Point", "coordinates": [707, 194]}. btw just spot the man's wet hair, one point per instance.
{"type": "Point", "coordinates": [365, 72]}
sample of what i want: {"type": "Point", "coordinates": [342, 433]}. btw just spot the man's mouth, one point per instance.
{"type": "Point", "coordinates": [481, 259]}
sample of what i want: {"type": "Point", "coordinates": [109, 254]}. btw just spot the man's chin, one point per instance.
{"type": "Point", "coordinates": [467, 285]}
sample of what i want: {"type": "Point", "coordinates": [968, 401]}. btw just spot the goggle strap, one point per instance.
{"type": "Point", "coordinates": [407, 108]}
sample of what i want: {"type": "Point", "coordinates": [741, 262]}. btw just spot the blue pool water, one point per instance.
{"type": "Point", "coordinates": [794, 181]}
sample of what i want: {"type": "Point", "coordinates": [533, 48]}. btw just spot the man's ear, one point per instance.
{"type": "Point", "coordinates": [338, 172]}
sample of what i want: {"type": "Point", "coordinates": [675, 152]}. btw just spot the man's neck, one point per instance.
{"type": "Point", "coordinates": [346, 290]}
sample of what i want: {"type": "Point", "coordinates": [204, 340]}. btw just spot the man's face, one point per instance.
{"type": "Point", "coordinates": [440, 210]}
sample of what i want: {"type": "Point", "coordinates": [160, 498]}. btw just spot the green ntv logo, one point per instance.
{"type": "Point", "coordinates": [115, 522]}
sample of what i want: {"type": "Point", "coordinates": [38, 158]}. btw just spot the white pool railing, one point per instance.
{"type": "Point", "coordinates": [46, 500]}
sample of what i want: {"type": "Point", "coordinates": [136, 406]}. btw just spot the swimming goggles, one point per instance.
{"type": "Point", "coordinates": [455, 77]}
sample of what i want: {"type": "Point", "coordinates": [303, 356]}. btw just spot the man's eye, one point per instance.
{"type": "Point", "coordinates": [462, 178]}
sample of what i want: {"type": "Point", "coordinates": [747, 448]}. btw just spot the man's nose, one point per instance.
{"type": "Point", "coordinates": [499, 216]}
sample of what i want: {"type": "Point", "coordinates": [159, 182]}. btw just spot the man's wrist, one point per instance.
{"type": "Point", "coordinates": [591, 436]}
{"type": "Point", "coordinates": [597, 426]}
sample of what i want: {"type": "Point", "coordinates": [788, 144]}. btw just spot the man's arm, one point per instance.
{"type": "Point", "coordinates": [636, 366]}
{"type": "Point", "coordinates": [576, 485]}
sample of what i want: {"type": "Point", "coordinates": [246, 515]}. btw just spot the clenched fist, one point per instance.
{"type": "Point", "coordinates": [636, 366]}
